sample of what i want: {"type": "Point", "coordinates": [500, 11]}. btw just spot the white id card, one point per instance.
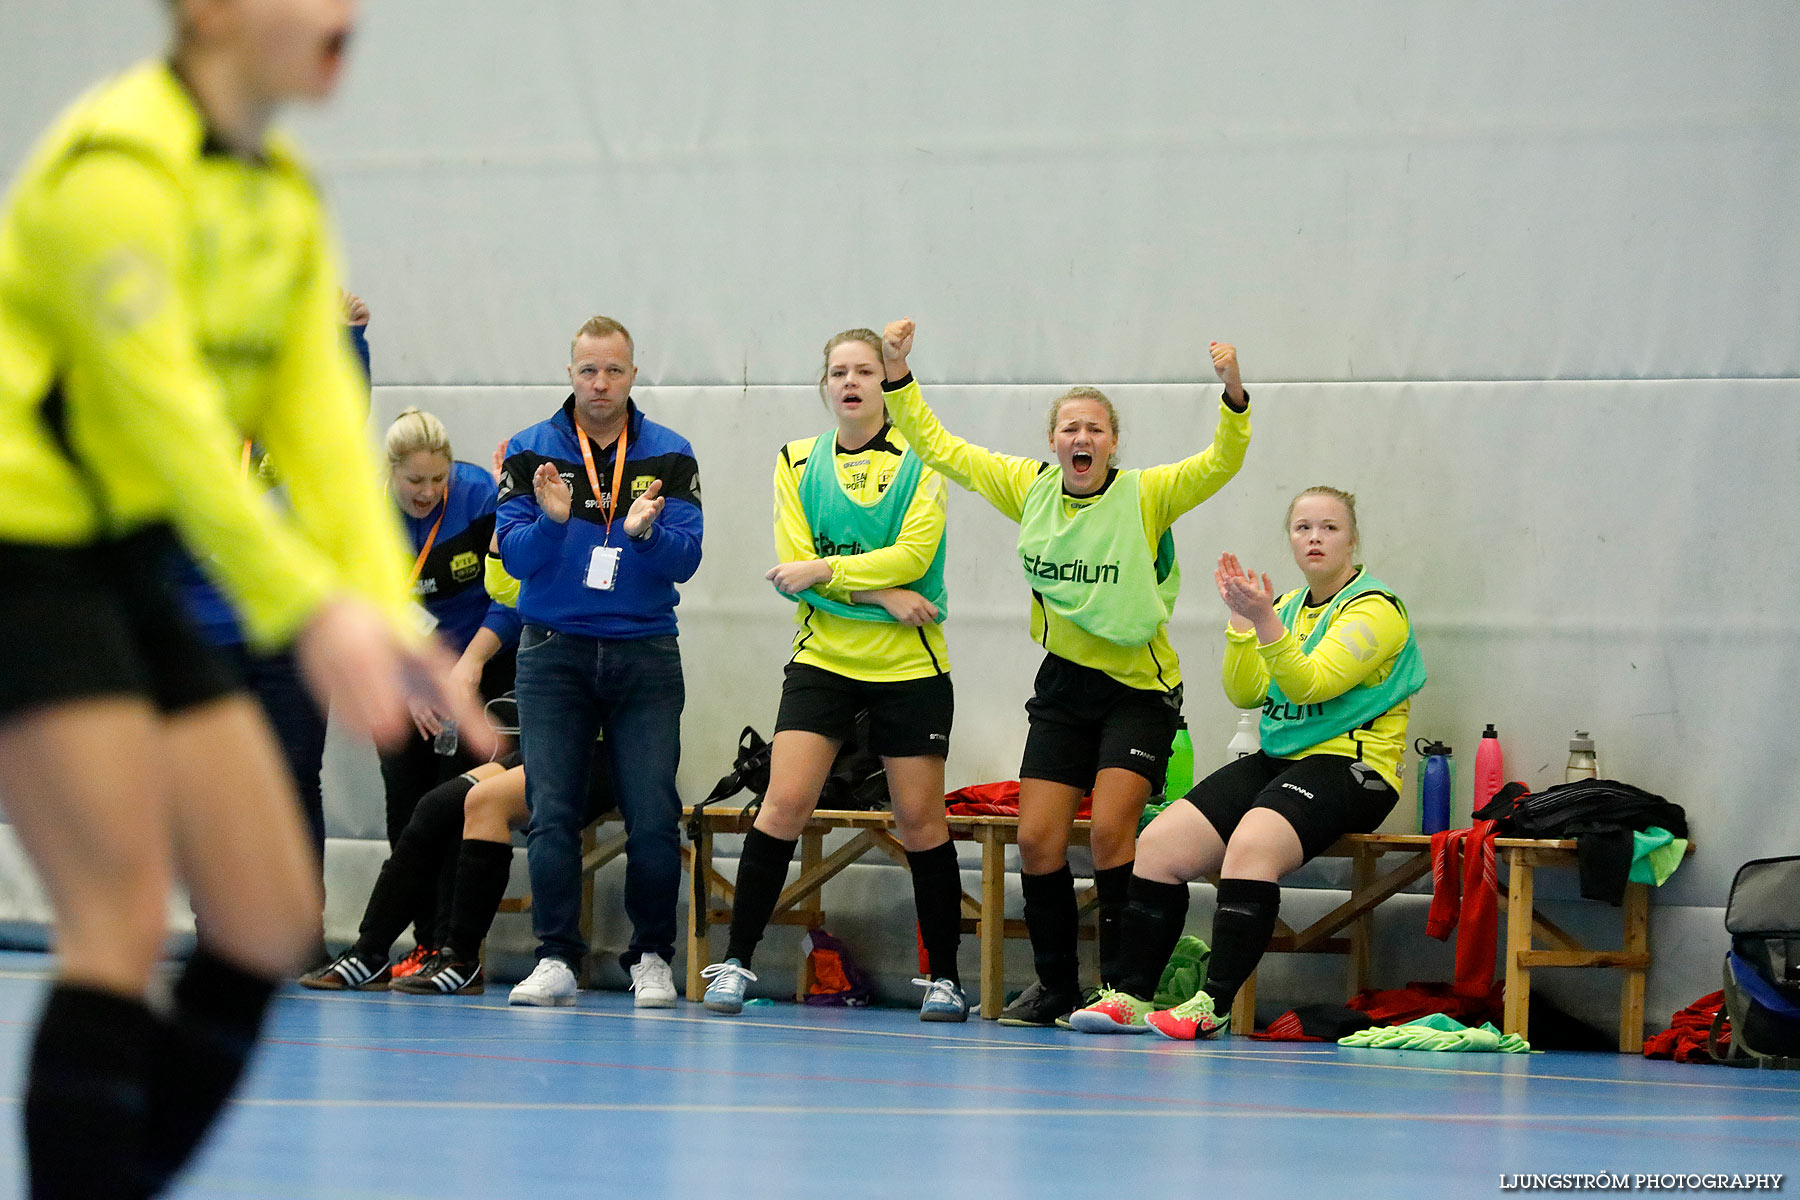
{"type": "Point", "coordinates": [603, 568]}
{"type": "Point", "coordinates": [422, 619]}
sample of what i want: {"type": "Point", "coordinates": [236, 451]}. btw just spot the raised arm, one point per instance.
{"type": "Point", "coordinates": [1000, 479]}
{"type": "Point", "coordinates": [1176, 487]}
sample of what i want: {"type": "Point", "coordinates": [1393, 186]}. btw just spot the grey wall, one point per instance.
{"type": "Point", "coordinates": [1520, 275]}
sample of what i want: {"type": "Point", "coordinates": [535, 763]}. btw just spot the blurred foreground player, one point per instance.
{"type": "Point", "coordinates": [167, 289]}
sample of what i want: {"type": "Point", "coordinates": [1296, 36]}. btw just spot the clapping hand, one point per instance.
{"type": "Point", "coordinates": [554, 495]}
{"type": "Point", "coordinates": [1248, 597]}
{"type": "Point", "coordinates": [644, 510]}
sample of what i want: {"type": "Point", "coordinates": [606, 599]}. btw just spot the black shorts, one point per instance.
{"type": "Point", "coordinates": [101, 620]}
{"type": "Point", "coordinates": [909, 719]}
{"type": "Point", "coordinates": [1083, 721]}
{"type": "Point", "coordinates": [1323, 796]}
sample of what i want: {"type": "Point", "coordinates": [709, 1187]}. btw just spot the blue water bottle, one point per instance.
{"type": "Point", "coordinates": [1434, 786]}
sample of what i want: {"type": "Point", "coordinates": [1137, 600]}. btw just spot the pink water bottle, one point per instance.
{"type": "Point", "coordinates": [1490, 774]}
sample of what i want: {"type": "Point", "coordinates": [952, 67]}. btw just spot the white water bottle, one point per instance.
{"type": "Point", "coordinates": [1583, 763]}
{"type": "Point", "coordinates": [1248, 738]}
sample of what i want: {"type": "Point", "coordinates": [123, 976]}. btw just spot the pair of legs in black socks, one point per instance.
{"type": "Point", "coordinates": [937, 899]}
{"type": "Point", "coordinates": [431, 858]}
{"type": "Point", "coordinates": [1052, 921]}
{"type": "Point", "coordinates": [1153, 921]}
{"type": "Point", "coordinates": [118, 1097]}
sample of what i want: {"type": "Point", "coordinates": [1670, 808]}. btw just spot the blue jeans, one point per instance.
{"type": "Point", "coordinates": [570, 689]}
{"type": "Point", "coordinates": [299, 728]}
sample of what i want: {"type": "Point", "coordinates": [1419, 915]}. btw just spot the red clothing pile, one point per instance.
{"type": "Point", "coordinates": [1465, 898]}
{"type": "Point", "coordinates": [1685, 1039]}
{"type": "Point", "coordinates": [998, 800]}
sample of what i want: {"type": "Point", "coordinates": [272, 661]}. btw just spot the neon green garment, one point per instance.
{"type": "Point", "coordinates": [1655, 853]}
{"type": "Point", "coordinates": [842, 525]}
{"type": "Point", "coordinates": [1289, 727]}
{"type": "Point", "coordinates": [162, 300]}
{"type": "Point", "coordinates": [1437, 1032]}
{"type": "Point", "coordinates": [501, 587]}
{"type": "Point", "coordinates": [1092, 565]}
{"type": "Point", "coordinates": [1003, 480]}
{"type": "Point", "coordinates": [1185, 972]}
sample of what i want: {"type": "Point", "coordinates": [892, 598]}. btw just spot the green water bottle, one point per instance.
{"type": "Point", "coordinates": [1179, 778]}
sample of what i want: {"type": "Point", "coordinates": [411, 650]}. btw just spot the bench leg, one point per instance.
{"type": "Point", "coordinates": [992, 926]}
{"type": "Point", "coordinates": [1243, 1009]}
{"type": "Point", "coordinates": [1631, 992]}
{"type": "Point", "coordinates": [1518, 940]}
{"type": "Point", "coordinates": [812, 852]}
{"type": "Point", "coordinates": [699, 930]}
{"type": "Point", "coordinates": [1362, 878]}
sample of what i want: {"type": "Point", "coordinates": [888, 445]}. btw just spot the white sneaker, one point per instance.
{"type": "Point", "coordinates": [550, 985]}
{"type": "Point", "coordinates": [653, 982]}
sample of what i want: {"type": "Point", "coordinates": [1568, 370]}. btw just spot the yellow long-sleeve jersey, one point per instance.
{"type": "Point", "coordinates": [1165, 493]}
{"type": "Point", "coordinates": [160, 301]}
{"type": "Point", "coordinates": [1361, 645]}
{"type": "Point", "coordinates": [873, 651]}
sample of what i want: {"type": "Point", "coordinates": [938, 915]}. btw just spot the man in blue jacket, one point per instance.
{"type": "Point", "coordinates": [599, 520]}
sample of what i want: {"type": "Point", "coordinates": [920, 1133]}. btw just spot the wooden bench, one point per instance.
{"type": "Point", "coordinates": [1373, 882]}
{"type": "Point", "coordinates": [800, 903]}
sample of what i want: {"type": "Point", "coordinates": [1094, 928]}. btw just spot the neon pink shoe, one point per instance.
{"type": "Point", "coordinates": [1191, 1020]}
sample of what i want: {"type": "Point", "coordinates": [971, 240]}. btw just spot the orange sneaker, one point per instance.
{"type": "Point", "coordinates": [415, 962]}
{"type": "Point", "coordinates": [1191, 1020]}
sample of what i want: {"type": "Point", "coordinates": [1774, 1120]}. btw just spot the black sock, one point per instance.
{"type": "Point", "coordinates": [212, 1028]}
{"type": "Point", "coordinates": [1241, 930]}
{"type": "Point", "coordinates": [1112, 886]}
{"type": "Point", "coordinates": [482, 872]}
{"type": "Point", "coordinates": [1050, 919]}
{"type": "Point", "coordinates": [1150, 927]}
{"type": "Point", "coordinates": [937, 898]}
{"type": "Point", "coordinates": [86, 1100]}
{"type": "Point", "coordinates": [762, 869]}
{"type": "Point", "coordinates": [408, 883]}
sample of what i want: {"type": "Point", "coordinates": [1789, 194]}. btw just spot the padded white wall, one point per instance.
{"type": "Point", "coordinates": [1521, 275]}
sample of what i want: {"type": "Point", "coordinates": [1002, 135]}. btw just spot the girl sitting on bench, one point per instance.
{"type": "Point", "coordinates": [1334, 666]}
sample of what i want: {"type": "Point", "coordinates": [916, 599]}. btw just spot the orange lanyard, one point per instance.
{"type": "Point", "coordinates": [430, 538]}
{"type": "Point", "coordinates": [587, 457]}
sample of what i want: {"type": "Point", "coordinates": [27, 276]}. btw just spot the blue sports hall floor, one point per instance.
{"type": "Point", "coordinates": [384, 1095]}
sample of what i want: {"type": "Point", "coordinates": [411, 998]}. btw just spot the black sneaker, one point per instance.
{"type": "Point", "coordinates": [350, 972]}
{"type": "Point", "coordinates": [1039, 1007]}
{"type": "Point", "coordinates": [445, 975]}
{"type": "Point", "coordinates": [1088, 996]}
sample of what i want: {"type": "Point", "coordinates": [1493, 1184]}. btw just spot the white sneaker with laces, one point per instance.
{"type": "Point", "coordinates": [725, 994]}
{"type": "Point", "coordinates": [551, 984]}
{"type": "Point", "coordinates": [652, 982]}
